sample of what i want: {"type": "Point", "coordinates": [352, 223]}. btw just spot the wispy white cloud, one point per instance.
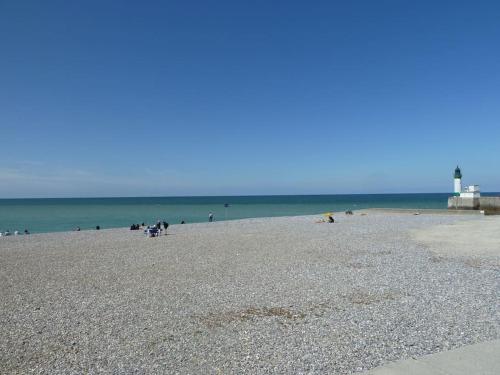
{"type": "Point", "coordinates": [44, 180]}
{"type": "Point", "coordinates": [34, 163]}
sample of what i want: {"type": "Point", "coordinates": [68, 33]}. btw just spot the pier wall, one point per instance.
{"type": "Point", "coordinates": [481, 203]}
{"type": "Point", "coordinates": [459, 203]}
{"type": "Point", "coordinates": [489, 203]}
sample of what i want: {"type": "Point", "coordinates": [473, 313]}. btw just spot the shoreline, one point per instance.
{"type": "Point", "coordinates": [430, 211]}
{"type": "Point", "coordinates": [363, 211]}
{"type": "Point", "coordinates": [56, 215]}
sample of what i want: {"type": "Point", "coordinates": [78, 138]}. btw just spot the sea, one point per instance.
{"type": "Point", "coordinates": [65, 214]}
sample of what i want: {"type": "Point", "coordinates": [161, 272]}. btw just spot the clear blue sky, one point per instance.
{"type": "Point", "coordinates": [103, 98]}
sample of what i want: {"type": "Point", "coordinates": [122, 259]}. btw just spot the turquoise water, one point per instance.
{"type": "Point", "coordinates": [62, 214]}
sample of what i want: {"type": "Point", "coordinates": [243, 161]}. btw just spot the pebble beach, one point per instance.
{"type": "Point", "coordinates": [254, 296]}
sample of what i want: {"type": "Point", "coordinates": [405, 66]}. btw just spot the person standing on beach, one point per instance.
{"type": "Point", "coordinates": [210, 217]}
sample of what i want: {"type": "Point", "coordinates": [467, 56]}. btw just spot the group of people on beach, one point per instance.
{"type": "Point", "coordinates": [16, 233]}
{"type": "Point", "coordinates": [152, 230]}
{"type": "Point", "coordinates": [156, 230]}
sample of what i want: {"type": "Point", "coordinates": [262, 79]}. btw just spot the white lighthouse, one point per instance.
{"type": "Point", "coordinates": [458, 181]}
{"type": "Point", "coordinates": [469, 198]}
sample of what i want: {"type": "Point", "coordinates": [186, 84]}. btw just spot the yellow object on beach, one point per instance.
{"type": "Point", "coordinates": [328, 214]}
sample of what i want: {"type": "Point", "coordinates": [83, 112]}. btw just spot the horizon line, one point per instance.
{"type": "Point", "coordinates": [229, 196]}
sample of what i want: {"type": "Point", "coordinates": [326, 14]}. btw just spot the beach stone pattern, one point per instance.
{"type": "Point", "coordinates": [256, 296]}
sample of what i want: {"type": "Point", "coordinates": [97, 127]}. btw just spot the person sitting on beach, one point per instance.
{"type": "Point", "coordinates": [330, 219]}
{"type": "Point", "coordinates": [97, 227]}
{"type": "Point", "coordinates": [152, 232]}
{"type": "Point", "coordinates": [183, 222]}
{"type": "Point", "coordinates": [26, 231]}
